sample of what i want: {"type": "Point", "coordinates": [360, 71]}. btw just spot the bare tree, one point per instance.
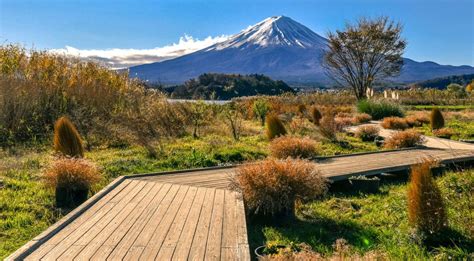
{"type": "Point", "coordinates": [364, 53]}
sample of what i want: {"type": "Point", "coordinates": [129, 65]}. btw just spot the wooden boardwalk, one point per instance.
{"type": "Point", "coordinates": [188, 215]}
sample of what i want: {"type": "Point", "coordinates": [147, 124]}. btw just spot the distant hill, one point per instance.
{"type": "Point", "coordinates": [442, 82]}
{"type": "Point", "coordinates": [227, 86]}
{"type": "Point", "coordinates": [278, 47]}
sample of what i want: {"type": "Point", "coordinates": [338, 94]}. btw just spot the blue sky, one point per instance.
{"type": "Point", "coordinates": [437, 30]}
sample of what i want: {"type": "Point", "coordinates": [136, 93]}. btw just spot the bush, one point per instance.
{"type": "Point", "coordinates": [426, 210]}
{"type": "Point", "coordinates": [328, 128]}
{"type": "Point", "coordinates": [404, 139]}
{"type": "Point", "coordinates": [417, 120]}
{"type": "Point", "coordinates": [444, 133]}
{"type": "Point", "coordinates": [275, 127]}
{"type": "Point", "coordinates": [343, 122]}
{"type": "Point", "coordinates": [316, 116]}
{"type": "Point", "coordinates": [436, 119]}
{"type": "Point", "coordinates": [361, 118]}
{"type": "Point", "coordinates": [293, 147]}
{"type": "Point", "coordinates": [379, 109]}
{"type": "Point", "coordinates": [71, 173]}
{"type": "Point", "coordinates": [67, 139]}
{"type": "Point", "coordinates": [367, 133]}
{"type": "Point", "coordinates": [394, 123]}
{"type": "Point", "coordinates": [271, 187]}
{"type": "Point", "coordinates": [260, 109]}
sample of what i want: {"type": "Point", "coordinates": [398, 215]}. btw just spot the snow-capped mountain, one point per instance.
{"type": "Point", "coordinates": [278, 47]}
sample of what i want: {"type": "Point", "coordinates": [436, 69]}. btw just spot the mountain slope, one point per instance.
{"type": "Point", "coordinates": [278, 47]}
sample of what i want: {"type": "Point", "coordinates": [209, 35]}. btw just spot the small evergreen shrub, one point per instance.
{"type": "Point", "coordinates": [404, 139]}
{"type": "Point", "coordinates": [316, 116]}
{"type": "Point", "coordinates": [67, 140]}
{"type": "Point", "coordinates": [426, 211]}
{"type": "Point", "coordinates": [292, 147]}
{"type": "Point", "coordinates": [274, 127]}
{"type": "Point", "coordinates": [72, 174]}
{"type": "Point", "coordinates": [367, 133]}
{"type": "Point", "coordinates": [394, 123]}
{"type": "Point", "coordinates": [379, 109]}
{"type": "Point", "coordinates": [436, 119]}
{"type": "Point", "coordinates": [272, 186]}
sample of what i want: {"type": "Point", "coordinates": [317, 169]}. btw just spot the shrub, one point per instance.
{"type": "Point", "coordinates": [394, 123]}
{"type": "Point", "coordinates": [367, 133]}
{"type": "Point", "coordinates": [426, 210]}
{"type": "Point", "coordinates": [275, 127]}
{"type": "Point", "coordinates": [260, 109]}
{"type": "Point", "coordinates": [379, 109]}
{"type": "Point", "coordinates": [328, 128]}
{"type": "Point", "coordinates": [361, 118]}
{"type": "Point", "coordinates": [67, 139]}
{"type": "Point", "coordinates": [271, 187]}
{"type": "Point", "coordinates": [316, 116]}
{"type": "Point", "coordinates": [71, 173]}
{"type": "Point", "coordinates": [444, 133]}
{"type": "Point", "coordinates": [343, 122]}
{"type": "Point", "coordinates": [404, 139]}
{"type": "Point", "coordinates": [416, 120]}
{"type": "Point", "coordinates": [293, 147]}
{"type": "Point", "coordinates": [436, 119]}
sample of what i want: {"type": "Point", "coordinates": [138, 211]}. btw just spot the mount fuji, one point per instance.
{"type": "Point", "coordinates": [278, 47]}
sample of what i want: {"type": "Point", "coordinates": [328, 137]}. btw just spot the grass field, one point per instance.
{"type": "Point", "coordinates": [376, 224]}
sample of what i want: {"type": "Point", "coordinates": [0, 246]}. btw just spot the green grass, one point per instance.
{"type": "Point", "coordinates": [444, 107]}
{"type": "Point", "coordinates": [375, 222]}
{"type": "Point", "coordinates": [461, 129]}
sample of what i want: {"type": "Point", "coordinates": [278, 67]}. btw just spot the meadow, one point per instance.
{"type": "Point", "coordinates": [130, 129]}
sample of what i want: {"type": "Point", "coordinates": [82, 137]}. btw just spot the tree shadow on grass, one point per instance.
{"type": "Point", "coordinates": [320, 233]}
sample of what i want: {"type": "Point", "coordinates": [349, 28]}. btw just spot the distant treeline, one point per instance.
{"type": "Point", "coordinates": [227, 86]}
{"type": "Point", "coordinates": [443, 82]}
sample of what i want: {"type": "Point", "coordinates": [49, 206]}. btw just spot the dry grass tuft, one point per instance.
{"type": "Point", "coordinates": [446, 133]}
{"type": "Point", "coordinates": [293, 147]}
{"type": "Point", "coordinates": [71, 173]}
{"type": "Point", "coordinates": [67, 139]}
{"type": "Point", "coordinates": [360, 118]}
{"type": "Point", "coordinates": [316, 116]}
{"type": "Point", "coordinates": [404, 139]}
{"type": "Point", "coordinates": [436, 119]}
{"type": "Point", "coordinates": [426, 209]}
{"type": "Point", "coordinates": [272, 186]}
{"type": "Point", "coordinates": [394, 123]}
{"type": "Point", "coordinates": [367, 133]}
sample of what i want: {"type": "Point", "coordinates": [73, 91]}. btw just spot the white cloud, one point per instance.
{"type": "Point", "coordinates": [121, 58]}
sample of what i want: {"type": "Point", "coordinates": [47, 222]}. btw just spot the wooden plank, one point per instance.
{"type": "Point", "coordinates": [110, 209]}
{"type": "Point", "coordinates": [102, 230]}
{"type": "Point", "coordinates": [174, 232]}
{"type": "Point", "coordinates": [116, 235]}
{"type": "Point", "coordinates": [213, 248]}
{"type": "Point", "coordinates": [154, 245]}
{"type": "Point", "coordinates": [229, 245]}
{"type": "Point", "coordinates": [183, 245]}
{"type": "Point", "coordinates": [134, 253]}
{"type": "Point", "coordinates": [124, 245]}
{"type": "Point", "coordinates": [198, 247]}
{"type": "Point", "coordinates": [242, 239]}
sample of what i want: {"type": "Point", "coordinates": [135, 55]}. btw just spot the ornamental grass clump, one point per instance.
{"type": "Point", "coordinates": [316, 116]}
{"type": "Point", "coordinates": [293, 147]}
{"type": "Point", "coordinates": [67, 140]}
{"type": "Point", "coordinates": [274, 127]}
{"type": "Point", "coordinates": [436, 119]}
{"type": "Point", "coordinates": [379, 109]}
{"type": "Point", "coordinates": [426, 209]}
{"type": "Point", "coordinates": [271, 187]}
{"type": "Point", "coordinates": [394, 123]}
{"type": "Point", "coordinates": [367, 133]}
{"type": "Point", "coordinates": [404, 139]}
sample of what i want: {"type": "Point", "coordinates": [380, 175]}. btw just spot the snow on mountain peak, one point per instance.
{"type": "Point", "coordinates": [274, 31]}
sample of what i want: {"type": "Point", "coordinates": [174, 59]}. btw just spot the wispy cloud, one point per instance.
{"type": "Point", "coordinates": [121, 58]}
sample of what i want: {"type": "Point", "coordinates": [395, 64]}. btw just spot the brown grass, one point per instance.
{"type": "Point", "coordinates": [293, 147]}
{"type": "Point", "coordinates": [444, 133]}
{"type": "Point", "coordinates": [426, 209]}
{"type": "Point", "coordinates": [316, 116]}
{"type": "Point", "coordinates": [328, 127]}
{"type": "Point", "coordinates": [71, 173]}
{"type": "Point", "coordinates": [394, 123]}
{"type": "Point", "coordinates": [404, 139]}
{"type": "Point", "coordinates": [360, 118]}
{"type": "Point", "coordinates": [272, 186]}
{"type": "Point", "coordinates": [367, 133]}
{"type": "Point", "coordinates": [67, 139]}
